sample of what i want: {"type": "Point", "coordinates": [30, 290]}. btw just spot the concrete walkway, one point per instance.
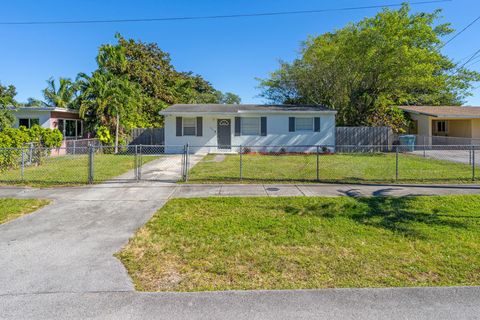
{"type": "Point", "coordinates": [58, 262]}
{"type": "Point", "coordinates": [319, 190]}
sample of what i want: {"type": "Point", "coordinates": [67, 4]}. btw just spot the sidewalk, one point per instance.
{"type": "Point", "coordinates": [318, 190]}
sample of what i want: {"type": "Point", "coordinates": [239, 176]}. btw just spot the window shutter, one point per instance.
{"type": "Point", "coordinates": [238, 122]}
{"type": "Point", "coordinates": [199, 126]}
{"type": "Point", "coordinates": [179, 126]}
{"type": "Point", "coordinates": [291, 124]}
{"type": "Point", "coordinates": [263, 126]}
{"type": "Point", "coordinates": [316, 124]}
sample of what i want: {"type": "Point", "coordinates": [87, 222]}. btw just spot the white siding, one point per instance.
{"type": "Point", "coordinates": [43, 116]}
{"type": "Point", "coordinates": [277, 132]}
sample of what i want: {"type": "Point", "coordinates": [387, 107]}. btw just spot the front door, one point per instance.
{"type": "Point", "coordinates": [224, 135]}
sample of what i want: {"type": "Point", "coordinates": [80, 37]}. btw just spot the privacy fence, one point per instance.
{"type": "Point", "coordinates": [241, 164]}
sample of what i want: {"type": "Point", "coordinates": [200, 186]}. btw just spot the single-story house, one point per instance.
{"type": "Point", "coordinates": [223, 127]}
{"type": "Point", "coordinates": [444, 121]}
{"type": "Point", "coordinates": [66, 120]}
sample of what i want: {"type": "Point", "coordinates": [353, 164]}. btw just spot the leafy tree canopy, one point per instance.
{"type": "Point", "coordinates": [61, 96]}
{"type": "Point", "coordinates": [364, 69]}
{"type": "Point", "coordinates": [7, 99]}
{"type": "Point", "coordinates": [161, 84]}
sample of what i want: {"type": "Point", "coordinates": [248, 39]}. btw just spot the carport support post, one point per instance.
{"type": "Point", "coordinates": [90, 164]}
{"type": "Point", "coordinates": [241, 163]}
{"type": "Point", "coordinates": [396, 163]}
{"type": "Point", "coordinates": [318, 163]}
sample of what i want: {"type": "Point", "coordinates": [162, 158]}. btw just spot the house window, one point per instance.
{"type": "Point", "coordinates": [189, 126]}
{"type": "Point", "coordinates": [441, 127]}
{"type": "Point", "coordinates": [250, 126]}
{"type": "Point", "coordinates": [70, 128]}
{"type": "Point", "coordinates": [303, 124]}
{"type": "Point", "coordinates": [28, 122]}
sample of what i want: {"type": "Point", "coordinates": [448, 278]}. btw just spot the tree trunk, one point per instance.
{"type": "Point", "coordinates": [116, 132]}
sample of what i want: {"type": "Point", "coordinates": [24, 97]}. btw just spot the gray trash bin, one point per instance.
{"type": "Point", "coordinates": [408, 141]}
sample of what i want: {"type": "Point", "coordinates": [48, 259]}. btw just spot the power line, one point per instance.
{"type": "Point", "coordinates": [227, 16]}
{"type": "Point", "coordinates": [460, 32]}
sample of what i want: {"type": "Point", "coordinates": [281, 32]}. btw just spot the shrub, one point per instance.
{"type": "Point", "coordinates": [12, 139]}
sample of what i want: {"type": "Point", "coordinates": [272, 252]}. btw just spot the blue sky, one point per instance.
{"type": "Point", "coordinates": [229, 53]}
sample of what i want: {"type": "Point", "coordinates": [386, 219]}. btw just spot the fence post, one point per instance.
{"type": "Point", "coordinates": [90, 164]}
{"type": "Point", "coordinates": [136, 163]}
{"type": "Point", "coordinates": [140, 162]}
{"type": "Point", "coordinates": [318, 163]}
{"type": "Point", "coordinates": [187, 162]}
{"type": "Point", "coordinates": [473, 163]}
{"type": "Point", "coordinates": [182, 169]}
{"type": "Point", "coordinates": [424, 148]}
{"type": "Point", "coordinates": [396, 163]}
{"type": "Point", "coordinates": [23, 163]}
{"type": "Point", "coordinates": [241, 163]}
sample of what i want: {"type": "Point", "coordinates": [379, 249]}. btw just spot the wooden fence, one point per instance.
{"type": "Point", "coordinates": [148, 136]}
{"type": "Point", "coordinates": [363, 136]}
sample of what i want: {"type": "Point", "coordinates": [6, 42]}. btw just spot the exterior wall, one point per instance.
{"type": "Point", "coordinates": [424, 124]}
{"type": "Point", "coordinates": [460, 128]}
{"type": "Point", "coordinates": [476, 128]}
{"type": "Point", "coordinates": [43, 116]}
{"type": "Point", "coordinates": [277, 132]}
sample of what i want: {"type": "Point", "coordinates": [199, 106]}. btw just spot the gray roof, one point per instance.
{"type": "Point", "coordinates": [240, 108]}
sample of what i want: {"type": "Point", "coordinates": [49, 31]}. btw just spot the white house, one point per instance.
{"type": "Point", "coordinates": [65, 120]}
{"type": "Point", "coordinates": [224, 127]}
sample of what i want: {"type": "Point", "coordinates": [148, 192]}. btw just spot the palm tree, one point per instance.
{"type": "Point", "coordinates": [106, 99]}
{"type": "Point", "coordinates": [61, 97]}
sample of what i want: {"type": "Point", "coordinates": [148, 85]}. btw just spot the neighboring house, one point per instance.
{"type": "Point", "coordinates": [444, 121]}
{"type": "Point", "coordinates": [219, 127]}
{"type": "Point", "coordinates": [65, 120]}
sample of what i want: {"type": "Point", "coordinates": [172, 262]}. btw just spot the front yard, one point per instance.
{"type": "Point", "coordinates": [293, 243]}
{"type": "Point", "coordinates": [343, 168]}
{"type": "Point", "coordinates": [13, 208]}
{"type": "Point", "coordinates": [72, 170]}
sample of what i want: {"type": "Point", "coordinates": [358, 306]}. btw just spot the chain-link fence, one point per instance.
{"type": "Point", "coordinates": [88, 164]}
{"type": "Point", "coordinates": [240, 164]}
{"type": "Point", "coordinates": [340, 164]}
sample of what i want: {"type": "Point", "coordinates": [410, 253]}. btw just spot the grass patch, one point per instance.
{"type": "Point", "coordinates": [72, 170]}
{"type": "Point", "coordinates": [300, 242]}
{"type": "Point", "coordinates": [13, 208]}
{"type": "Point", "coordinates": [346, 168]}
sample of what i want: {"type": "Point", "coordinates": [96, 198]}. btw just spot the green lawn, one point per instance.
{"type": "Point", "coordinates": [71, 170]}
{"type": "Point", "coordinates": [349, 168]}
{"type": "Point", "coordinates": [293, 243]}
{"type": "Point", "coordinates": [13, 208]}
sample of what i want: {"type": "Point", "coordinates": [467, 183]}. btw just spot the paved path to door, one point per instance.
{"type": "Point", "coordinates": [58, 263]}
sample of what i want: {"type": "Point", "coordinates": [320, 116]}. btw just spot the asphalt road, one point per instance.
{"type": "Point", "coordinates": [58, 263]}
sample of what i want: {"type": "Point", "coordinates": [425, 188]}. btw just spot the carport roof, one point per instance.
{"type": "Point", "coordinates": [444, 111]}
{"type": "Point", "coordinates": [242, 108]}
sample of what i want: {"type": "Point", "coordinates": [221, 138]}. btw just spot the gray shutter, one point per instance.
{"type": "Point", "coordinates": [238, 122]}
{"type": "Point", "coordinates": [291, 124]}
{"type": "Point", "coordinates": [199, 126]}
{"type": "Point", "coordinates": [316, 124]}
{"type": "Point", "coordinates": [179, 126]}
{"type": "Point", "coordinates": [263, 126]}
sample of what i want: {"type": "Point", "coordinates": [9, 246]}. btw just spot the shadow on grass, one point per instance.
{"type": "Point", "coordinates": [395, 214]}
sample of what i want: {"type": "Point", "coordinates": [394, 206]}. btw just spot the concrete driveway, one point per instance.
{"type": "Point", "coordinates": [57, 263]}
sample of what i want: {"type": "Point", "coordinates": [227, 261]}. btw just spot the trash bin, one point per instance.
{"type": "Point", "coordinates": [408, 141]}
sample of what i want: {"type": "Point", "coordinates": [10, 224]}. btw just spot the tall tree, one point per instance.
{"type": "Point", "coordinates": [62, 96]}
{"type": "Point", "coordinates": [151, 68]}
{"type": "Point", "coordinates": [366, 68]}
{"type": "Point", "coordinates": [7, 100]}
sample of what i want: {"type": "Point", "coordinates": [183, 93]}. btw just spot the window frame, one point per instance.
{"type": "Point", "coordinates": [441, 123]}
{"type": "Point", "coordinates": [259, 126]}
{"type": "Point", "coordinates": [312, 129]}
{"type": "Point", "coordinates": [194, 119]}
{"type": "Point", "coordinates": [29, 122]}
{"type": "Point", "coordinates": [64, 127]}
